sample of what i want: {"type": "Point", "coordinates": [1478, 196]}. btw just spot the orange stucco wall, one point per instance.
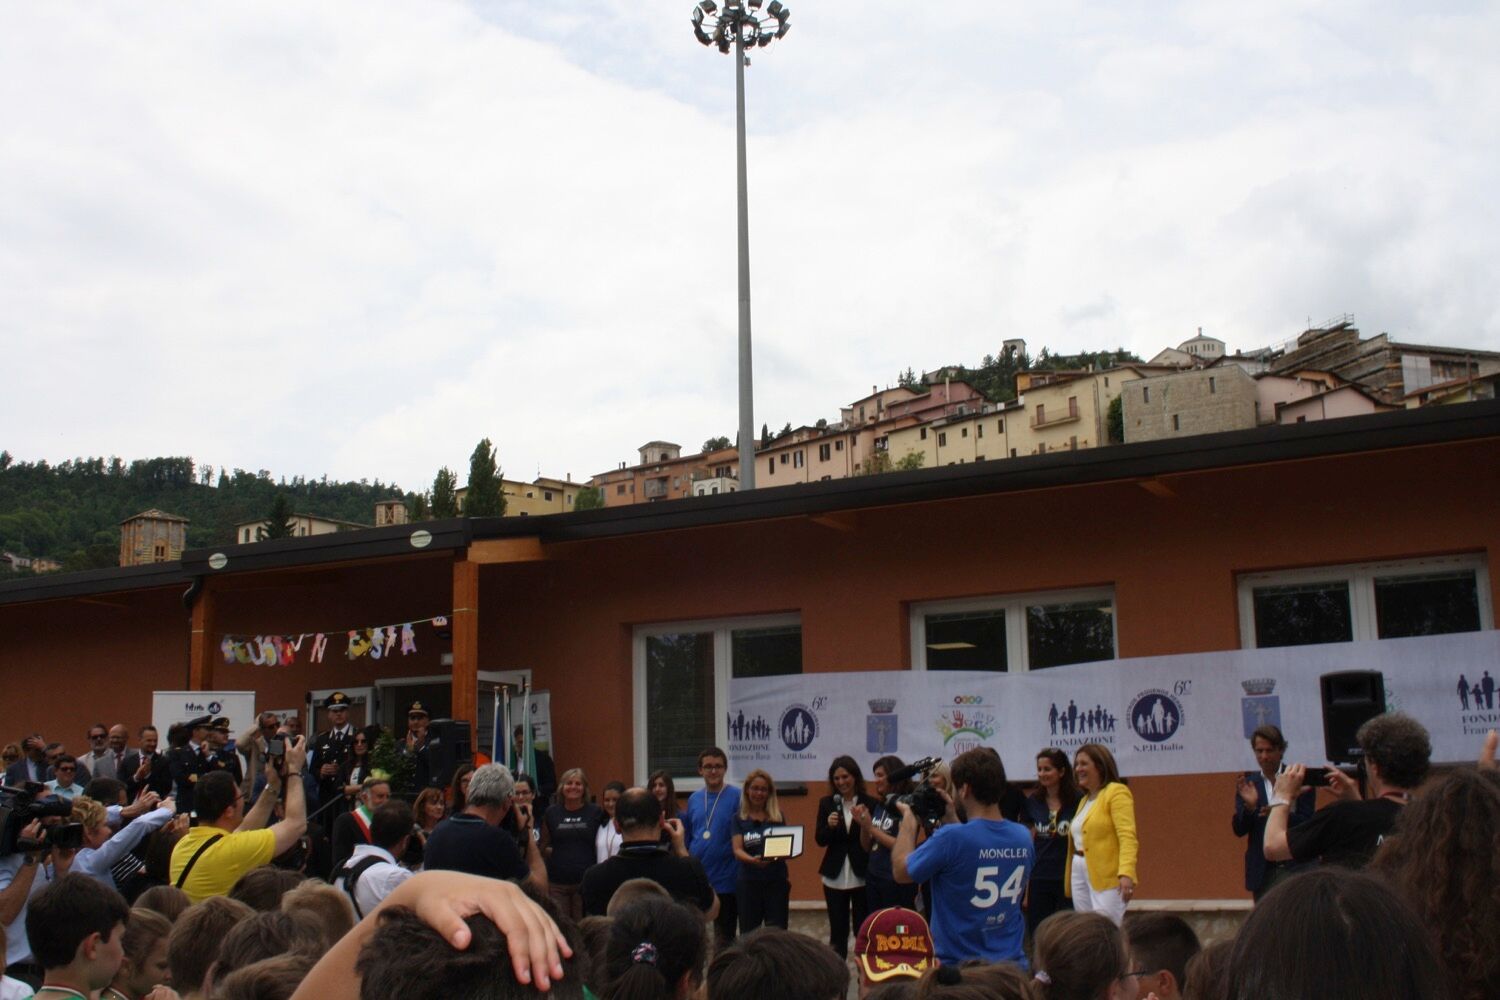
{"type": "Point", "coordinates": [1172, 560]}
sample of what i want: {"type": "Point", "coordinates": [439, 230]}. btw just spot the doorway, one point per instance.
{"type": "Point", "coordinates": [361, 712]}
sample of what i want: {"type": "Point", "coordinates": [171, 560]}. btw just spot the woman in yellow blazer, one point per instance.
{"type": "Point", "coordinates": [1101, 865]}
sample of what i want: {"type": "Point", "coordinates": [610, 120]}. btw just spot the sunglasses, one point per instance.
{"type": "Point", "coordinates": [65, 767]}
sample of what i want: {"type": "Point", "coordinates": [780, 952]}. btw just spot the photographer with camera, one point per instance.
{"type": "Point", "coordinates": [38, 849]}
{"type": "Point", "coordinates": [1396, 753]}
{"type": "Point", "coordinates": [977, 867]}
{"type": "Point", "coordinates": [877, 835]}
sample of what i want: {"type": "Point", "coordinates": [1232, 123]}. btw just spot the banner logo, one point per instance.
{"type": "Point", "coordinates": [1155, 715]}
{"type": "Point", "coordinates": [743, 728]}
{"type": "Point", "coordinates": [1259, 707]}
{"type": "Point", "coordinates": [965, 729]}
{"type": "Point", "coordinates": [1074, 721]}
{"type": "Point", "coordinates": [1476, 700]}
{"type": "Point", "coordinates": [880, 726]}
{"type": "Point", "coordinates": [799, 727]}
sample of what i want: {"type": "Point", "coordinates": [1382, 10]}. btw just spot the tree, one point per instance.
{"type": "Point", "coordinates": [908, 380]}
{"type": "Point", "coordinates": [485, 497]}
{"type": "Point", "coordinates": [589, 498]}
{"type": "Point", "coordinates": [445, 494]}
{"type": "Point", "coordinates": [716, 444]}
{"type": "Point", "coordinates": [419, 508]}
{"type": "Point", "coordinates": [765, 435]}
{"type": "Point", "coordinates": [5, 459]}
{"type": "Point", "coordinates": [822, 424]}
{"type": "Point", "coordinates": [1114, 419]}
{"type": "Point", "coordinates": [911, 460]}
{"type": "Point", "coordinates": [278, 520]}
{"type": "Point", "coordinates": [785, 430]}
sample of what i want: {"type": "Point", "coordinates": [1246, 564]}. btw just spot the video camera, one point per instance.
{"type": "Point", "coordinates": [926, 802]}
{"type": "Point", "coordinates": [20, 805]}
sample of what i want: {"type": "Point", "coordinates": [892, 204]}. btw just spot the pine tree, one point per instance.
{"type": "Point", "coordinates": [445, 494]}
{"type": "Point", "coordinates": [485, 497]}
{"type": "Point", "coordinates": [419, 510]}
{"type": "Point", "coordinates": [278, 520]}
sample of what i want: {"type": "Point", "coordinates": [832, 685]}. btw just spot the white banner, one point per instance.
{"type": "Point", "coordinates": [169, 707]}
{"type": "Point", "coordinates": [1185, 714]}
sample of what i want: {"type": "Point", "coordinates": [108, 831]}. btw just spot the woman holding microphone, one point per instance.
{"type": "Point", "coordinates": [1049, 813]}
{"type": "Point", "coordinates": [844, 860]}
{"type": "Point", "coordinates": [1101, 865]}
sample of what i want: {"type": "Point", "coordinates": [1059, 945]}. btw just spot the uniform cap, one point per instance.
{"type": "Point", "coordinates": [336, 700]}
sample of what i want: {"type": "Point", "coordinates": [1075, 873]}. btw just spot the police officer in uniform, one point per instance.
{"type": "Point", "coordinates": [330, 750]}
{"type": "Point", "coordinates": [414, 745]}
{"type": "Point", "coordinates": [221, 757]}
{"type": "Point", "coordinates": [189, 762]}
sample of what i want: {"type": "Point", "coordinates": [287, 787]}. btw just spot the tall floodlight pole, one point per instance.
{"type": "Point", "coordinates": [739, 26]}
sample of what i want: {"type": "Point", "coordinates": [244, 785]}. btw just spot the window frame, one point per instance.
{"type": "Point", "coordinates": [723, 669]}
{"type": "Point", "coordinates": [1360, 578]}
{"type": "Point", "coordinates": [1017, 655]}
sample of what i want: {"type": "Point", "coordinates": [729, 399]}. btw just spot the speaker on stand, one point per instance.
{"type": "Point", "coordinates": [448, 746]}
{"type": "Point", "coordinates": [1349, 699]}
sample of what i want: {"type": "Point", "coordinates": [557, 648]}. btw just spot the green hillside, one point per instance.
{"type": "Point", "coordinates": [71, 511]}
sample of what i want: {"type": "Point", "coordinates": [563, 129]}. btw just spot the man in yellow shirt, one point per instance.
{"type": "Point", "coordinates": [228, 842]}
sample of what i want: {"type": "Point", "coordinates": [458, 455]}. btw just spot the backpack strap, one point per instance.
{"type": "Point", "coordinates": [351, 876]}
{"type": "Point", "coordinates": [211, 841]}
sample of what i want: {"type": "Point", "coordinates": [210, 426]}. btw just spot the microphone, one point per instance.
{"type": "Point", "coordinates": [912, 770]}
{"type": "Point", "coordinates": [838, 801]}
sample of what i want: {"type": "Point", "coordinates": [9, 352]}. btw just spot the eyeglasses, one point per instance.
{"type": "Point", "coordinates": [98, 736]}
{"type": "Point", "coordinates": [65, 767]}
{"type": "Point", "coordinates": [1138, 973]}
{"type": "Point", "coordinates": [712, 767]}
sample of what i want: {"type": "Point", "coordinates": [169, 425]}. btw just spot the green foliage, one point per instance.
{"type": "Point", "coordinates": [1114, 419]}
{"type": "Point", "coordinates": [589, 498]}
{"type": "Point", "coordinates": [716, 444]}
{"type": "Point", "coordinates": [908, 379]}
{"type": "Point", "coordinates": [485, 497]}
{"type": "Point", "coordinates": [785, 430]}
{"type": "Point", "coordinates": [72, 511]}
{"type": "Point", "coordinates": [995, 377]}
{"type": "Point", "coordinates": [398, 767]}
{"type": "Point", "coordinates": [278, 520]}
{"type": "Point", "coordinates": [420, 510]}
{"type": "Point", "coordinates": [445, 494]}
{"type": "Point", "coordinates": [765, 435]}
{"type": "Point", "coordinates": [822, 423]}
{"type": "Point", "coordinates": [877, 463]}
{"type": "Point", "coordinates": [911, 460]}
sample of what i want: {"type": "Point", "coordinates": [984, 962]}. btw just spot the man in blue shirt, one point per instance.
{"type": "Point", "coordinates": [977, 869]}
{"type": "Point", "coordinates": [709, 820]}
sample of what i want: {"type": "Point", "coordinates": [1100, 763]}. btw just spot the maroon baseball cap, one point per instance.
{"type": "Point", "coordinates": [894, 942]}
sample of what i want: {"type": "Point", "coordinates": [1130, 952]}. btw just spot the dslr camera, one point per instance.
{"type": "Point", "coordinates": [21, 804]}
{"type": "Point", "coordinates": [926, 802]}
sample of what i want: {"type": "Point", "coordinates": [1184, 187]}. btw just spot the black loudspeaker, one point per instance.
{"type": "Point", "coordinates": [1349, 698]}
{"type": "Point", "coordinates": [448, 746]}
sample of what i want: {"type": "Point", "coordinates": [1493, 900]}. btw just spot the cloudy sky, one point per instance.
{"type": "Point", "coordinates": [354, 237]}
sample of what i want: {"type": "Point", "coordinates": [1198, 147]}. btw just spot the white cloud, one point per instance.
{"type": "Point", "coordinates": [353, 238]}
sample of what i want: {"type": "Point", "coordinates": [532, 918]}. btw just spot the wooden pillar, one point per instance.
{"type": "Point", "coordinates": [466, 642]}
{"type": "Point", "coordinates": [202, 645]}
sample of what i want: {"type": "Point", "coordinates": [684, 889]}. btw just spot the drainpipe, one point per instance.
{"type": "Point", "coordinates": [189, 598]}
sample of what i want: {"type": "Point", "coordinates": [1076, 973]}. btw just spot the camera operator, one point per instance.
{"type": "Point", "coordinates": [23, 874]}
{"type": "Point", "coordinates": [978, 867]}
{"type": "Point", "coordinates": [1396, 752]}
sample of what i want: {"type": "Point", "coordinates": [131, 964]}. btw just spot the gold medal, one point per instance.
{"type": "Point", "coordinates": [707, 834]}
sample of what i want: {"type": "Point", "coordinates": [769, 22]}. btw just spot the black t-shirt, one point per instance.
{"type": "Point", "coordinates": [1345, 833]}
{"type": "Point", "coordinates": [752, 833]}
{"type": "Point", "coordinates": [465, 843]}
{"type": "Point", "coordinates": [571, 834]}
{"type": "Point", "coordinates": [684, 878]}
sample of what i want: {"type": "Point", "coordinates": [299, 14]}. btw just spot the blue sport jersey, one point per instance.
{"type": "Point", "coordinates": [708, 824]}
{"type": "Point", "coordinates": [977, 873]}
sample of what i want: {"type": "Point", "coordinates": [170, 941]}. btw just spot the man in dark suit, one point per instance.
{"type": "Point", "coordinates": [33, 763]}
{"type": "Point", "coordinates": [147, 769]}
{"type": "Point", "coordinates": [1253, 794]}
{"type": "Point", "coordinates": [220, 757]}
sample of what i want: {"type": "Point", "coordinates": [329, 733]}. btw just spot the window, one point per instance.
{"type": "Point", "coordinates": [682, 673]}
{"type": "Point", "coordinates": [1041, 448]}
{"type": "Point", "coordinates": [1013, 453]}
{"type": "Point", "coordinates": [620, 490]}
{"type": "Point", "coordinates": [1211, 387]}
{"type": "Point", "coordinates": [1176, 422]}
{"type": "Point", "coordinates": [1000, 427]}
{"type": "Point", "coordinates": [942, 439]}
{"type": "Point", "coordinates": [979, 458]}
{"type": "Point", "coordinates": [797, 459]}
{"type": "Point", "coordinates": [771, 465]}
{"type": "Point", "coordinates": [838, 445]}
{"type": "Point", "coordinates": [783, 458]}
{"type": "Point", "coordinates": [1145, 394]}
{"type": "Point", "coordinates": [963, 432]}
{"type": "Point", "coordinates": [979, 430]}
{"type": "Point", "coordinates": [824, 452]}
{"type": "Point", "coordinates": [530, 495]}
{"type": "Point", "coordinates": [546, 494]}
{"type": "Point", "coordinates": [1072, 406]}
{"type": "Point", "coordinates": [922, 433]}
{"type": "Point", "coordinates": [1368, 601]}
{"type": "Point", "coordinates": [1014, 634]}
{"type": "Point", "coordinates": [1041, 413]}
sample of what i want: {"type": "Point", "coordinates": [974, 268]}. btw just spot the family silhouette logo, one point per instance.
{"type": "Point", "coordinates": [799, 727]}
{"type": "Point", "coordinates": [1155, 715]}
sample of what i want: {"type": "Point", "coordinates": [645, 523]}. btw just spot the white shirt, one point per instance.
{"type": "Point", "coordinates": [847, 879]}
{"type": "Point", "coordinates": [607, 842]}
{"type": "Point", "coordinates": [1083, 810]}
{"type": "Point", "coordinates": [377, 882]}
{"type": "Point", "coordinates": [17, 948]}
{"type": "Point", "coordinates": [95, 862]}
{"type": "Point", "coordinates": [14, 989]}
